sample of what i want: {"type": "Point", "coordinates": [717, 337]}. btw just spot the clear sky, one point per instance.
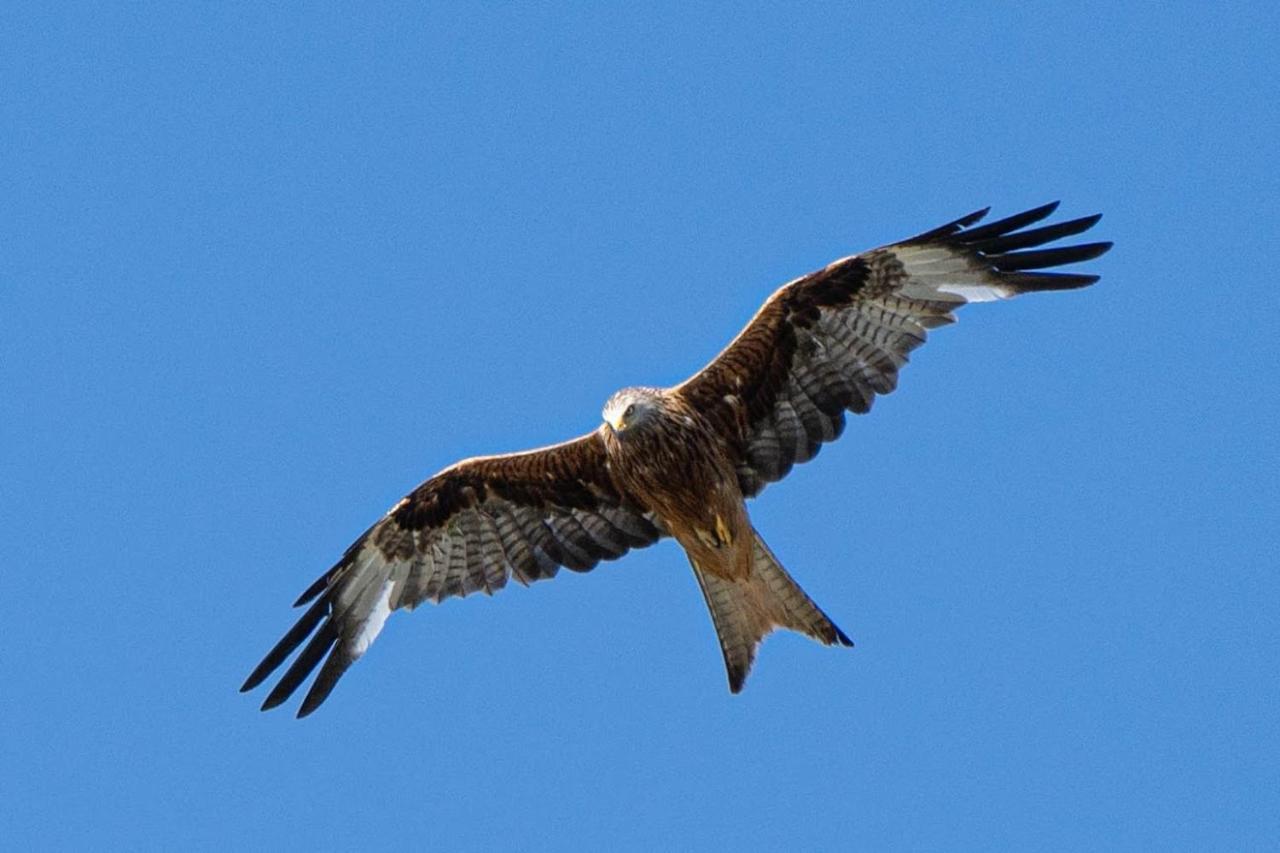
{"type": "Point", "coordinates": [263, 269]}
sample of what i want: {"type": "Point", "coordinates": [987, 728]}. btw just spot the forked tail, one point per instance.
{"type": "Point", "coordinates": [745, 610]}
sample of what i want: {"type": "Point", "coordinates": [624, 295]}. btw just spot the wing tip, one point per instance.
{"type": "Point", "coordinates": [1041, 281]}
{"type": "Point", "coordinates": [335, 666]}
{"type": "Point", "coordinates": [273, 700]}
{"type": "Point", "coordinates": [293, 638]}
{"type": "Point", "coordinates": [1007, 225]}
{"type": "Point", "coordinates": [970, 218]}
{"type": "Point", "coordinates": [1019, 256]}
{"type": "Point", "coordinates": [315, 651]}
{"type": "Point", "coordinates": [309, 705]}
{"type": "Point", "coordinates": [737, 680]}
{"type": "Point", "coordinates": [952, 228]}
{"type": "Point", "coordinates": [317, 587]}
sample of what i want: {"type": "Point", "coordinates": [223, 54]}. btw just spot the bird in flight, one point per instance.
{"type": "Point", "coordinates": [680, 461]}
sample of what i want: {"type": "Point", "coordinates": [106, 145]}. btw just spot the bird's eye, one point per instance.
{"type": "Point", "coordinates": [631, 410]}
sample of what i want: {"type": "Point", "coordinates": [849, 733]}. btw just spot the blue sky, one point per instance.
{"type": "Point", "coordinates": [264, 269]}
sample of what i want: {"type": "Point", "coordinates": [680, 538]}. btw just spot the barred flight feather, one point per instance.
{"type": "Point", "coordinates": [861, 317]}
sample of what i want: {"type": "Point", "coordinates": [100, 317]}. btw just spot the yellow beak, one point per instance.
{"type": "Point", "coordinates": [618, 424]}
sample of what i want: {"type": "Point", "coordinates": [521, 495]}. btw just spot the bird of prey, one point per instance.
{"type": "Point", "coordinates": [680, 461]}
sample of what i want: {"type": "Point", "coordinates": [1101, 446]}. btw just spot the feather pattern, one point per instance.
{"type": "Point", "coordinates": [833, 340]}
{"type": "Point", "coordinates": [468, 529]}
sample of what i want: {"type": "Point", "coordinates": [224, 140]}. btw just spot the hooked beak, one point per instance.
{"type": "Point", "coordinates": [617, 424]}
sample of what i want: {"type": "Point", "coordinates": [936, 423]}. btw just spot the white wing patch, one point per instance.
{"type": "Point", "coordinates": [372, 627]}
{"type": "Point", "coordinates": [976, 292]}
{"type": "Point", "coordinates": [934, 272]}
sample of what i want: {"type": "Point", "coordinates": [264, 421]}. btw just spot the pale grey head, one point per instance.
{"type": "Point", "coordinates": [631, 409]}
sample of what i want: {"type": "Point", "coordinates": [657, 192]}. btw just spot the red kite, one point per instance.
{"type": "Point", "coordinates": [680, 461]}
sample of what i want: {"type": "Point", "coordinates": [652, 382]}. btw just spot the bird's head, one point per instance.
{"type": "Point", "coordinates": [630, 409]}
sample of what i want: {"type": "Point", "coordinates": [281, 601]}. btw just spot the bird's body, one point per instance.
{"type": "Point", "coordinates": [680, 461]}
{"type": "Point", "coordinates": [680, 468]}
{"type": "Point", "coordinates": [676, 464]}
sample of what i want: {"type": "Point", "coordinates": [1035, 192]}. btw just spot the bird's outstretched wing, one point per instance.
{"type": "Point", "coordinates": [834, 339]}
{"type": "Point", "coordinates": [469, 528]}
